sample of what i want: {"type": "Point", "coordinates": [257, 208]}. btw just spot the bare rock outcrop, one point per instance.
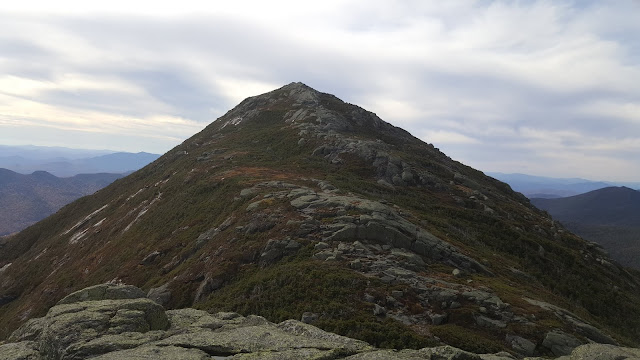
{"type": "Point", "coordinates": [111, 321]}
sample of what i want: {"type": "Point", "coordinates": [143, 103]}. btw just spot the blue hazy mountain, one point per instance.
{"type": "Point", "coordinates": [547, 187]}
{"type": "Point", "coordinates": [65, 162]}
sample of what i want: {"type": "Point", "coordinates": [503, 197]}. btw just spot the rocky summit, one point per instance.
{"type": "Point", "coordinates": [297, 205]}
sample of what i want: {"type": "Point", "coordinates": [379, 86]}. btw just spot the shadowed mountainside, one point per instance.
{"type": "Point", "coordinates": [26, 199]}
{"type": "Point", "coordinates": [609, 216]}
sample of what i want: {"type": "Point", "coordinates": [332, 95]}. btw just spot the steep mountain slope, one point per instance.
{"type": "Point", "coordinates": [295, 204]}
{"type": "Point", "coordinates": [25, 199]}
{"type": "Point", "coordinates": [609, 216]}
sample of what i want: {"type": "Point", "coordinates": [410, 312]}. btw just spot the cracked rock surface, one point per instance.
{"type": "Point", "coordinates": [112, 321]}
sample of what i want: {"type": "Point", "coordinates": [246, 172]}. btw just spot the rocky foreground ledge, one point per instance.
{"type": "Point", "coordinates": [113, 321]}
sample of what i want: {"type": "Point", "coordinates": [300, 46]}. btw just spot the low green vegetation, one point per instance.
{"type": "Point", "coordinates": [287, 290]}
{"type": "Point", "coordinates": [467, 339]}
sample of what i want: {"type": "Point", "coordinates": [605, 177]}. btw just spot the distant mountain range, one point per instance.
{"type": "Point", "coordinates": [26, 199]}
{"type": "Point", "coordinates": [609, 216]}
{"type": "Point", "coordinates": [36, 181]}
{"type": "Point", "coordinates": [64, 162]}
{"type": "Point", "coordinates": [546, 187]}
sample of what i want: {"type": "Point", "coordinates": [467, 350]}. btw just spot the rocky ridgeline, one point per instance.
{"type": "Point", "coordinates": [333, 128]}
{"type": "Point", "coordinates": [379, 241]}
{"type": "Point", "coordinates": [339, 133]}
{"type": "Point", "coordinates": [115, 321]}
{"type": "Point", "coordinates": [356, 218]}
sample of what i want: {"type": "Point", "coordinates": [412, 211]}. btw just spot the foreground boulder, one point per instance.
{"type": "Point", "coordinates": [114, 321]}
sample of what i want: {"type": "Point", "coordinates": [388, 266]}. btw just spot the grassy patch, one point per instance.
{"type": "Point", "coordinates": [287, 290]}
{"type": "Point", "coordinates": [466, 339]}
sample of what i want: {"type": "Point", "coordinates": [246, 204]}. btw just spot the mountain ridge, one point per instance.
{"type": "Point", "coordinates": [66, 162]}
{"type": "Point", "coordinates": [26, 199]}
{"type": "Point", "coordinates": [295, 202]}
{"type": "Point", "coordinates": [608, 216]}
{"type": "Point", "coordinates": [610, 205]}
{"type": "Point", "coordinates": [549, 187]}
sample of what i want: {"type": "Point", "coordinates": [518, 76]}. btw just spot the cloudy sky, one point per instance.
{"type": "Point", "coordinates": [539, 87]}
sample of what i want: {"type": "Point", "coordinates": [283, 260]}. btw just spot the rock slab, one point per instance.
{"type": "Point", "coordinates": [115, 321]}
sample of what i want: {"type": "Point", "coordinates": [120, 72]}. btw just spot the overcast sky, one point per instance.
{"type": "Point", "coordinates": [546, 88]}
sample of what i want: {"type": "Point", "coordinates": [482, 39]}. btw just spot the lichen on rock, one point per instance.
{"type": "Point", "coordinates": [124, 328]}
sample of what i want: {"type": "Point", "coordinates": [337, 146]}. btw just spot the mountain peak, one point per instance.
{"type": "Point", "coordinates": [303, 94]}
{"type": "Point", "coordinates": [336, 129]}
{"type": "Point", "coordinates": [298, 86]}
{"type": "Point", "coordinates": [294, 94]}
{"type": "Point", "coordinates": [299, 106]}
{"type": "Point", "coordinates": [295, 204]}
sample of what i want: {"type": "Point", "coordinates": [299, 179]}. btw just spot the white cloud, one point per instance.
{"type": "Point", "coordinates": [609, 110]}
{"type": "Point", "coordinates": [494, 82]}
{"type": "Point", "coordinates": [237, 90]}
{"type": "Point", "coordinates": [30, 114]}
{"type": "Point", "coordinates": [22, 86]}
{"type": "Point", "coordinates": [447, 137]}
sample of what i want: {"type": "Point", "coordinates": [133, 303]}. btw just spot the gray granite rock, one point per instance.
{"type": "Point", "coordinates": [560, 343]}
{"type": "Point", "coordinates": [110, 322]}
{"type": "Point", "coordinates": [24, 350]}
{"type": "Point", "coordinates": [604, 352]}
{"type": "Point", "coordinates": [153, 352]}
{"type": "Point", "coordinates": [104, 292]}
{"type": "Point", "coordinates": [521, 345]}
{"type": "Point", "coordinates": [160, 294]}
